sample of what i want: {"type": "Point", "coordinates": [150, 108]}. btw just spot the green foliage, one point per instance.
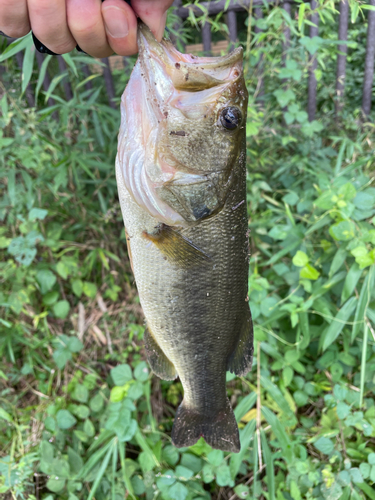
{"type": "Point", "coordinates": [80, 412]}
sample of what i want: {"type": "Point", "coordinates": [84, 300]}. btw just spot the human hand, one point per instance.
{"type": "Point", "coordinates": [98, 28]}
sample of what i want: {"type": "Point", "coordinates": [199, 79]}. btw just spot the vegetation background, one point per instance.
{"type": "Point", "coordinates": [81, 416]}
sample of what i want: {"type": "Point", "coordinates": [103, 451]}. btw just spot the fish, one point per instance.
{"type": "Point", "coordinates": [181, 177]}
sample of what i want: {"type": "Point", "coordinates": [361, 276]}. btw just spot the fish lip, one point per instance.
{"type": "Point", "coordinates": [169, 55]}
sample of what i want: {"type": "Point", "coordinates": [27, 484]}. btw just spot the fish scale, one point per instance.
{"type": "Point", "coordinates": [191, 274]}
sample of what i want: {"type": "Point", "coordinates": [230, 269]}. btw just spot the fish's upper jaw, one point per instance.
{"type": "Point", "coordinates": [187, 72]}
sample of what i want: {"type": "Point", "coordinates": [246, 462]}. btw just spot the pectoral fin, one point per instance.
{"type": "Point", "coordinates": [176, 247]}
{"type": "Point", "coordinates": [159, 362]}
{"type": "Point", "coordinates": [241, 358]}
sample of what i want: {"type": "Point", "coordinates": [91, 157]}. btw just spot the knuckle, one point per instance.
{"type": "Point", "coordinates": [41, 8]}
{"type": "Point", "coordinates": [15, 32]}
{"type": "Point", "coordinates": [88, 29]}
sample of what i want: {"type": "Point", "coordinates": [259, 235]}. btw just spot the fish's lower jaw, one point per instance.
{"type": "Point", "coordinates": [219, 428]}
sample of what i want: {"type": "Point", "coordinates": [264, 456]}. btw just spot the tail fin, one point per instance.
{"type": "Point", "coordinates": [219, 430]}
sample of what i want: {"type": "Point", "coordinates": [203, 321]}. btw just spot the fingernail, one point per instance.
{"type": "Point", "coordinates": [116, 22]}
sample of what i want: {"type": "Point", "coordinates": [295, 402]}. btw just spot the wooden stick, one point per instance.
{"type": "Point", "coordinates": [232, 27]}
{"type": "Point", "coordinates": [206, 38]}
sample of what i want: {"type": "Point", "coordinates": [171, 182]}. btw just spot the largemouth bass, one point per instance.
{"type": "Point", "coordinates": [181, 181]}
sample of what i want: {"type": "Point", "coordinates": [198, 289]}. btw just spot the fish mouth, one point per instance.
{"type": "Point", "coordinates": [186, 72]}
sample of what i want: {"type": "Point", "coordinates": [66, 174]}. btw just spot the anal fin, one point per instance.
{"type": "Point", "coordinates": [159, 362]}
{"type": "Point", "coordinates": [176, 247]}
{"type": "Point", "coordinates": [241, 358]}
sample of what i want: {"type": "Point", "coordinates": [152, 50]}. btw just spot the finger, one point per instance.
{"type": "Point", "coordinates": [121, 27]}
{"type": "Point", "coordinates": [153, 13]}
{"type": "Point", "coordinates": [14, 18]}
{"type": "Point", "coordinates": [87, 26]}
{"type": "Point", "coordinates": [49, 24]}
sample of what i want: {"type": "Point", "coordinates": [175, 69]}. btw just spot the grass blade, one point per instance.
{"type": "Point", "coordinates": [101, 472]}
{"type": "Point", "coordinates": [28, 64]}
{"type": "Point", "coordinates": [93, 460]}
{"type": "Point", "coordinates": [42, 74]}
{"type": "Point", "coordinates": [114, 468]}
{"type": "Point", "coordinates": [147, 389]}
{"type": "Point", "coordinates": [269, 466]}
{"type": "Point", "coordinates": [277, 396]}
{"type": "Point", "coordinates": [339, 158]}
{"type": "Point", "coordinates": [367, 489]}
{"type": "Point", "coordinates": [255, 461]}
{"type": "Point", "coordinates": [338, 260]}
{"type": "Point", "coordinates": [53, 85]}
{"type": "Point", "coordinates": [246, 436]}
{"type": "Point", "coordinates": [280, 434]}
{"type": "Point", "coordinates": [127, 482]}
{"type": "Point", "coordinates": [363, 364]}
{"type": "Point", "coordinates": [282, 252]}
{"type": "Point", "coordinates": [305, 326]}
{"type": "Point", "coordinates": [68, 59]}
{"type": "Point", "coordinates": [145, 447]}
{"type": "Point", "coordinates": [338, 323]}
{"type": "Point", "coordinates": [104, 435]}
{"type": "Point", "coordinates": [363, 302]}
{"type": "Point", "coordinates": [245, 405]}
{"type": "Point", "coordinates": [15, 47]}
{"type": "Point", "coordinates": [351, 281]}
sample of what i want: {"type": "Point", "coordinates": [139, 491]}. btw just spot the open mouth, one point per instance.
{"type": "Point", "coordinates": [186, 71]}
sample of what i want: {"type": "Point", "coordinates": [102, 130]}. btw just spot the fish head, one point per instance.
{"type": "Point", "coordinates": [190, 115]}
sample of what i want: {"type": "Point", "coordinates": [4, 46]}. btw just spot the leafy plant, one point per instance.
{"type": "Point", "coordinates": [81, 416]}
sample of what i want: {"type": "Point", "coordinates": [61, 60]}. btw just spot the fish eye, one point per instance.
{"type": "Point", "coordinates": [230, 117]}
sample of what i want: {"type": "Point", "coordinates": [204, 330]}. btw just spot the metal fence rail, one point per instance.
{"type": "Point", "coordinates": [231, 9]}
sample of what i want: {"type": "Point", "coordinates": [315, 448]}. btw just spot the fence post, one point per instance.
{"type": "Point", "coordinates": [341, 57]}
{"type": "Point", "coordinates": [369, 62]}
{"type": "Point", "coordinates": [66, 84]}
{"type": "Point", "coordinates": [178, 25]}
{"type": "Point", "coordinates": [258, 14]}
{"type": "Point", "coordinates": [108, 80]}
{"type": "Point", "coordinates": [232, 27]}
{"type": "Point", "coordinates": [206, 38]}
{"type": "Point", "coordinates": [313, 64]}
